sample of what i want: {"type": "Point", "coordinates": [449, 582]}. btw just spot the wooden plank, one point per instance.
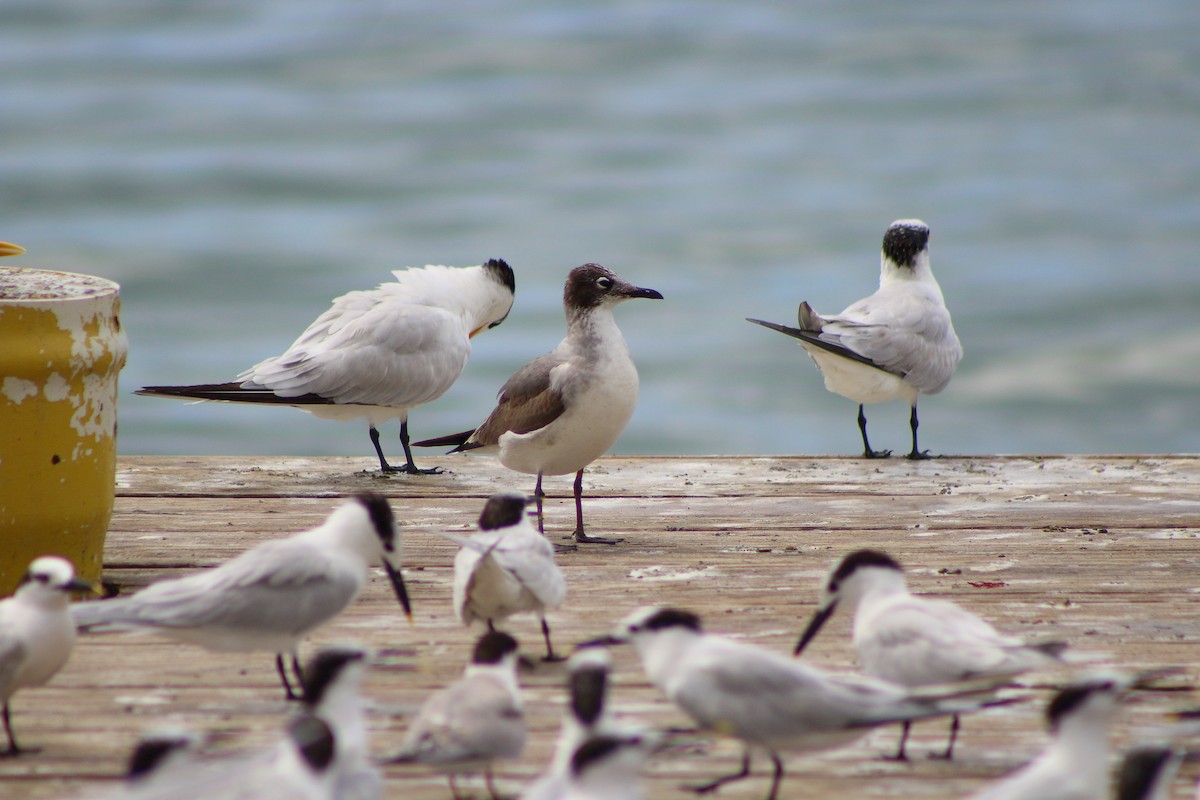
{"type": "Point", "coordinates": [1100, 550]}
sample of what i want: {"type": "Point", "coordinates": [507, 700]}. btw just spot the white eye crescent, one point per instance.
{"type": "Point", "coordinates": [604, 283]}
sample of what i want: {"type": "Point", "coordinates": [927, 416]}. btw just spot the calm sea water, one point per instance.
{"type": "Point", "coordinates": [236, 165]}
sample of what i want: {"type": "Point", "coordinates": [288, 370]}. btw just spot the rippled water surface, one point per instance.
{"type": "Point", "coordinates": [236, 165]}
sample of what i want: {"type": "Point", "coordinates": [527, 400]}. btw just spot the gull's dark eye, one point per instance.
{"type": "Point", "coordinates": [604, 283]}
{"type": "Point", "coordinates": [833, 586]}
{"type": "Point", "coordinates": [42, 578]}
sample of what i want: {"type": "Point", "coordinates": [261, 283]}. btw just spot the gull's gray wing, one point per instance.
{"type": "Point", "coordinates": [529, 400]}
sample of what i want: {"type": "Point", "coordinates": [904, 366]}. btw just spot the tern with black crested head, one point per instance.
{"type": "Point", "coordinates": [377, 354]}
{"type": "Point", "coordinates": [506, 568]}
{"type": "Point", "coordinates": [588, 715]}
{"type": "Point", "coordinates": [897, 344]}
{"type": "Point", "coordinates": [918, 641]}
{"type": "Point", "coordinates": [332, 682]}
{"type": "Point", "coordinates": [562, 411]}
{"type": "Point", "coordinates": [271, 596]}
{"type": "Point", "coordinates": [1075, 764]}
{"type": "Point", "coordinates": [770, 702]}
{"type": "Point", "coordinates": [474, 721]}
{"type": "Point", "coordinates": [300, 765]}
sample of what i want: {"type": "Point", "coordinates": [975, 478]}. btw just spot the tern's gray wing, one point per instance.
{"type": "Point", "coordinates": [530, 559]}
{"type": "Point", "coordinates": [908, 334]}
{"type": "Point", "coordinates": [476, 718]}
{"type": "Point", "coordinates": [374, 349]}
{"type": "Point", "coordinates": [919, 641]}
{"type": "Point", "coordinates": [529, 400]}
{"type": "Point", "coordinates": [12, 655]}
{"type": "Point", "coordinates": [758, 695]}
{"type": "Point", "coordinates": [280, 587]}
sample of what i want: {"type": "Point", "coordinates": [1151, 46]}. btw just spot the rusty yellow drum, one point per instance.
{"type": "Point", "coordinates": [61, 349]}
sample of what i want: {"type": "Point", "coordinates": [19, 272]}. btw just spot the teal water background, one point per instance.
{"type": "Point", "coordinates": [236, 165]}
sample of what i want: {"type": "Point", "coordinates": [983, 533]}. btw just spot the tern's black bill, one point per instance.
{"type": "Point", "coordinates": [814, 627]}
{"type": "Point", "coordinates": [398, 587]}
{"type": "Point", "coordinates": [603, 641]}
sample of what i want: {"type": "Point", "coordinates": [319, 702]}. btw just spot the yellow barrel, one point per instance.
{"type": "Point", "coordinates": [61, 348]}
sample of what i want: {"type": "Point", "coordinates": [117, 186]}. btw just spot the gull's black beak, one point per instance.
{"type": "Point", "coordinates": [650, 294]}
{"type": "Point", "coordinates": [398, 587]}
{"type": "Point", "coordinates": [821, 616]}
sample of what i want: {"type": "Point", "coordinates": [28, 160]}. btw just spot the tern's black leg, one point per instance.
{"type": "Point", "coordinates": [900, 754]}
{"type": "Point", "coordinates": [410, 466]}
{"type": "Point", "coordinates": [862, 426]}
{"type": "Point", "coordinates": [12, 750]}
{"type": "Point", "coordinates": [383, 465]}
{"type": "Point", "coordinates": [281, 668]}
{"type": "Point", "coordinates": [491, 785]}
{"type": "Point", "coordinates": [744, 772]}
{"type": "Point", "coordinates": [580, 536]}
{"type": "Point", "coordinates": [549, 648]}
{"type": "Point", "coordinates": [949, 754]}
{"type": "Point", "coordinates": [777, 777]}
{"type": "Point", "coordinates": [298, 670]}
{"type": "Point", "coordinates": [915, 455]}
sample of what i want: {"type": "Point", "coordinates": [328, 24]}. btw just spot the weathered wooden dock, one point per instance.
{"type": "Point", "coordinates": [1099, 550]}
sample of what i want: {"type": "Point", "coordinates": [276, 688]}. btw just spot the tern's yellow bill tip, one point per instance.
{"type": "Point", "coordinates": [10, 249]}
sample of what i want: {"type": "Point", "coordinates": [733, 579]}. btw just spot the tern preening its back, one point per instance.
{"type": "Point", "coordinates": [562, 411]}
{"type": "Point", "coordinates": [273, 595]}
{"type": "Point", "coordinates": [768, 701]}
{"type": "Point", "coordinates": [898, 343]}
{"type": "Point", "coordinates": [918, 641]}
{"type": "Point", "coordinates": [36, 632]}
{"type": "Point", "coordinates": [377, 354]}
{"type": "Point", "coordinates": [506, 568]}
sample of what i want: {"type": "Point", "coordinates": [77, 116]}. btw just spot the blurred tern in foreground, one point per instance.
{"type": "Point", "coordinates": [36, 632]}
{"type": "Point", "coordinates": [377, 354]}
{"type": "Point", "coordinates": [333, 693]}
{"type": "Point", "coordinates": [1146, 772]}
{"type": "Point", "coordinates": [562, 411]}
{"type": "Point", "coordinates": [918, 641]}
{"type": "Point", "coordinates": [898, 343]}
{"type": "Point", "coordinates": [587, 716]}
{"type": "Point", "coordinates": [301, 766]}
{"type": "Point", "coordinates": [767, 700]}
{"type": "Point", "coordinates": [506, 568]}
{"type": "Point", "coordinates": [1075, 764]}
{"type": "Point", "coordinates": [607, 767]}
{"type": "Point", "coordinates": [471, 723]}
{"type": "Point", "coordinates": [273, 595]}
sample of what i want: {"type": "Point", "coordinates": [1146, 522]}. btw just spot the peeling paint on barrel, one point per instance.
{"type": "Point", "coordinates": [61, 349]}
